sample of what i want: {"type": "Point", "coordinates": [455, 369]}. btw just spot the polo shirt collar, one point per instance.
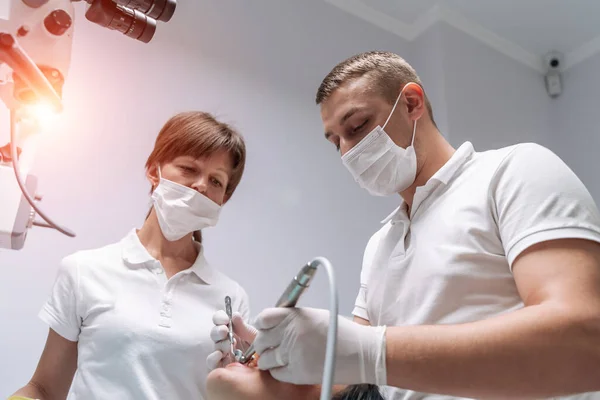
{"type": "Point", "coordinates": [134, 253]}
{"type": "Point", "coordinates": [443, 175]}
{"type": "Point", "coordinates": [448, 170]}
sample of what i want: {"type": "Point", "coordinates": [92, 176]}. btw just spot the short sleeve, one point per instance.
{"type": "Point", "coordinates": [243, 304]}
{"type": "Point", "coordinates": [537, 198]}
{"type": "Point", "coordinates": [61, 309]}
{"type": "Point", "coordinates": [360, 305]}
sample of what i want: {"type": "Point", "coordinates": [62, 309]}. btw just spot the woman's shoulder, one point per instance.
{"type": "Point", "coordinates": [93, 256]}
{"type": "Point", "coordinates": [223, 279]}
{"type": "Point", "coordinates": [220, 277]}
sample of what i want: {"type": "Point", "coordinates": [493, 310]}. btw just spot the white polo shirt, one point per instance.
{"type": "Point", "coordinates": [140, 335]}
{"type": "Point", "coordinates": [449, 262]}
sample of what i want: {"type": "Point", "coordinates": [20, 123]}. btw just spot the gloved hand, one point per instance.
{"type": "Point", "coordinates": [292, 341]}
{"type": "Point", "coordinates": [242, 334]}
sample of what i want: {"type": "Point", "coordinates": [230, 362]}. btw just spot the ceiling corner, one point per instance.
{"type": "Point", "coordinates": [369, 14]}
{"type": "Point", "coordinates": [582, 53]}
{"type": "Point", "coordinates": [458, 21]}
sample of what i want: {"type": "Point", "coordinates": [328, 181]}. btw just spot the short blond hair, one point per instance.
{"type": "Point", "coordinates": [388, 73]}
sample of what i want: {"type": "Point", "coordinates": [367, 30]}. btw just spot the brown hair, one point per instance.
{"type": "Point", "coordinates": [199, 134]}
{"type": "Point", "coordinates": [388, 72]}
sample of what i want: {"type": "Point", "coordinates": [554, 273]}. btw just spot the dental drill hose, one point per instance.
{"type": "Point", "coordinates": [329, 365]}
{"type": "Point", "coordinates": [290, 297]}
{"type": "Point", "coordinates": [15, 164]}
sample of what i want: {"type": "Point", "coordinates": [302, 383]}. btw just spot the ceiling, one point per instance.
{"type": "Point", "coordinates": [524, 30]}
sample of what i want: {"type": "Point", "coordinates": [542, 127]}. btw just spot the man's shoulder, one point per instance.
{"type": "Point", "coordinates": [508, 161]}
{"type": "Point", "coordinates": [520, 151]}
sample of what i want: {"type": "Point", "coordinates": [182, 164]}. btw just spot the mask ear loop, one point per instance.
{"type": "Point", "coordinates": [159, 178]}
{"type": "Point", "coordinates": [394, 108]}
{"type": "Point", "coordinates": [412, 142]}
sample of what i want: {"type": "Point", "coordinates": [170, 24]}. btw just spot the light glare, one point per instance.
{"type": "Point", "coordinates": [43, 112]}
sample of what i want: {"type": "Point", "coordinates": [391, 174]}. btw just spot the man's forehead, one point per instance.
{"type": "Point", "coordinates": [354, 88]}
{"type": "Point", "coordinates": [356, 94]}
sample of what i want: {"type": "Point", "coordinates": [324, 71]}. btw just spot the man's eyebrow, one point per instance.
{"type": "Point", "coordinates": [348, 114]}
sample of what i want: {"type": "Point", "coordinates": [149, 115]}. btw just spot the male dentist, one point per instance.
{"type": "Point", "coordinates": [484, 283]}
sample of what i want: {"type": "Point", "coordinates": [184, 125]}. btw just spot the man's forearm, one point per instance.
{"type": "Point", "coordinates": [538, 351]}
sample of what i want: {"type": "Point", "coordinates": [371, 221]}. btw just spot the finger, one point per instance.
{"type": "Point", "coordinates": [272, 317]}
{"type": "Point", "coordinates": [218, 333]}
{"type": "Point", "coordinates": [272, 358]}
{"type": "Point", "coordinates": [246, 332]}
{"type": "Point", "coordinates": [282, 374]}
{"type": "Point", "coordinates": [214, 359]}
{"type": "Point", "coordinates": [220, 318]}
{"type": "Point", "coordinates": [224, 346]}
{"type": "Point", "coordinates": [239, 343]}
{"type": "Point", "coordinates": [266, 340]}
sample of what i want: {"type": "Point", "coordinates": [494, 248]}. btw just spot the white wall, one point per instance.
{"type": "Point", "coordinates": [296, 200]}
{"type": "Point", "coordinates": [575, 133]}
{"type": "Point", "coordinates": [428, 60]}
{"type": "Point", "coordinates": [492, 100]}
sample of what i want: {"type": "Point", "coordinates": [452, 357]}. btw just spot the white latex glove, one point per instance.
{"type": "Point", "coordinates": [242, 335]}
{"type": "Point", "coordinates": [291, 344]}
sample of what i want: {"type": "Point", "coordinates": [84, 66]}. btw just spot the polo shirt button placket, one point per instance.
{"type": "Point", "coordinates": [165, 314]}
{"type": "Point", "coordinates": [166, 304]}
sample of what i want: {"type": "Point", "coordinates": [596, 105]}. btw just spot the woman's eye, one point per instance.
{"type": "Point", "coordinates": [216, 182]}
{"type": "Point", "coordinates": [185, 168]}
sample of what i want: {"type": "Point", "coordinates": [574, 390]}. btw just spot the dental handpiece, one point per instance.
{"type": "Point", "coordinates": [289, 298]}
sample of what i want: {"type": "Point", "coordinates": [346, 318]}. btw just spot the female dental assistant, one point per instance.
{"type": "Point", "coordinates": [132, 320]}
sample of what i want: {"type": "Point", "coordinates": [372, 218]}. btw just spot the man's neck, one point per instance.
{"type": "Point", "coordinates": [435, 156]}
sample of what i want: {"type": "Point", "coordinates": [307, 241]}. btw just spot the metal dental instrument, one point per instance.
{"type": "Point", "coordinates": [230, 323]}
{"type": "Point", "coordinates": [289, 298]}
{"type": "Point", "coordinates": [234, 352]}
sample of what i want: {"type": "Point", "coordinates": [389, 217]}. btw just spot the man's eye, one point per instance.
{"type": "Point", "coordinates": [358, 128]}
{"type": "Point", "coordinates": [216, 182]}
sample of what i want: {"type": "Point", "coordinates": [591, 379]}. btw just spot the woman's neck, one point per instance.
{"type": "Point", "coordinates": [175, 255]}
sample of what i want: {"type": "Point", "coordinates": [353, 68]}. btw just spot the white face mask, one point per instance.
{"type": "Point", "coordinates": [182, 210]}
{"type": "Point", "coordinates": [379, 165]}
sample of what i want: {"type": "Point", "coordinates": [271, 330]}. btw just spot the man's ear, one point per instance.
{"type": "Point", "coordinates": [152, 175]}
{"type": "Point", "coordinates": [415, 99]}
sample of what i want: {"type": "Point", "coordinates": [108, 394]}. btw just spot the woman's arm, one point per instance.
{"type": "Point", "coordinates": [54, 373]}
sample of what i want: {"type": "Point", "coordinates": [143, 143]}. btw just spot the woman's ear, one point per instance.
{"type": "Point", "coordinates": [152, 175]}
